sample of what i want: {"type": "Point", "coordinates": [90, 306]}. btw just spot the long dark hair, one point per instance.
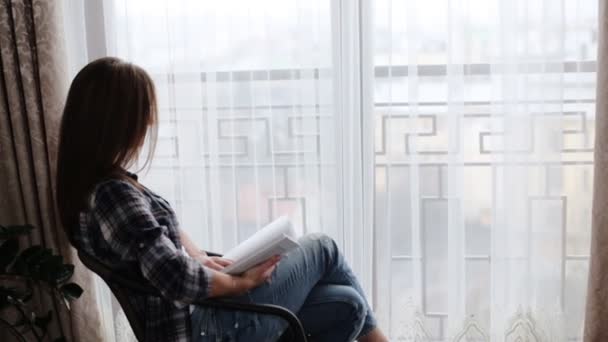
{"type": "Point", "coordinates": [110, 107]}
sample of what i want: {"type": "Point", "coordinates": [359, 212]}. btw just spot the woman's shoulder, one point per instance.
{"type": "Point", "coordinates": [116, 189]}
{"type": "Point", "coordinates": [116, 184]}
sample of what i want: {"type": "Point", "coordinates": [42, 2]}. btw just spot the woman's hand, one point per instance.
{"type": "Point", "coordinates": [257, 275]}
{"type": "Point", "coordinates": [213, 262]}
{"type": "Point", "coordinates": [228, 285]}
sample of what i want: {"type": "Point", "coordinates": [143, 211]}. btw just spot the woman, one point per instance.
{"type": "Point", "coordinates": [110, 109]}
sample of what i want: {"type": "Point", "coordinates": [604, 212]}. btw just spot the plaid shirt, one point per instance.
{"type": "Point", "coordinates": [137, 232]}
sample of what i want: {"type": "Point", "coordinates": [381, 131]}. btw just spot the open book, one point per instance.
{"type": "Point", "coordinates": [276, 238]}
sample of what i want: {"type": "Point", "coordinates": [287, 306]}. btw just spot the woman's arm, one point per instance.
{"type": "Point", "coordinates": [189, 245]}
{"type": "Point", "coordinates": [223, 284]}
{"type": "Point", "coordinates": [130, 227]}
{"type": "Point", "coordinates": [215, 263]}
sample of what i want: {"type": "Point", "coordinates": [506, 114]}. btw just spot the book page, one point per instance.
{"type": "Point", "coordinates": [276, 238]}
{"type": "Point", "coordinates": [264, 236]}
{"type": "Point", "coordinates": [276, 248]}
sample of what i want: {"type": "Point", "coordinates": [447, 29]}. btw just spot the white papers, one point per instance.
{"type": "Point", "coordinates": [276, 238]}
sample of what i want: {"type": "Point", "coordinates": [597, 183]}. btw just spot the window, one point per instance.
{"type": "Point", "coordinates": [484, 115]}
{"type": "Point", "coordinates": [446, 145]}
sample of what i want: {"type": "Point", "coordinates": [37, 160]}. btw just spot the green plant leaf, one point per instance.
{"type": "Point", "coordinates": [32, 266]}
{"type": "Point", "coordinates": [30, 261]}
{"type": "Point", "coordinates": [8, 252]}
{"type": "Point", "coordinates": [39, 258]}
{"type": "Point", "coordinates": [21, 264]}
{"type": "Point", "coordinates": [14, 231]}
{"type": "Point", "coordinates": [71, 291]}
{"type": "Point", "coordinates": [64, 273]}
{"type": "Point", "coordinates": [49, 269]}
{"type": "Point", "coordinates": [31, 251]}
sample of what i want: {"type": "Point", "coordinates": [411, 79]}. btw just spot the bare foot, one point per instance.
{"type": "Point", "coordinates": [373, 336]}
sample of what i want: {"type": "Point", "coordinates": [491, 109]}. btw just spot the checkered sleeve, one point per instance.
{"type": "Point", "coordinates": [130, 228]}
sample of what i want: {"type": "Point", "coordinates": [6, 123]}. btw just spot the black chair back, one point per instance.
{"type": "Point", "coordinates": [117, 284]}
{"type": "Point", "coordinates": [118, 281]}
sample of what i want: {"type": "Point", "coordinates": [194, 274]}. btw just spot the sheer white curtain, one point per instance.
{"type": "Point", "coordinates": [256, 120]}
{"type": "Point", "coordinates": [446, 145]}
{"type": "Point", "coordinates": [246, 100]}
{"type": "Point", "coordinates": [484, 116]}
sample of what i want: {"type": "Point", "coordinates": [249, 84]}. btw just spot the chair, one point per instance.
{"type": "Point", "coordinates": [117, 282]}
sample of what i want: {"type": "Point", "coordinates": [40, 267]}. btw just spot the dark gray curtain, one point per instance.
{"type": "Point", "coordinates": [33, 84]}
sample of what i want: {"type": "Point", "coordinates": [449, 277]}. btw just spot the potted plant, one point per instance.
{"type": "Point", "coordinates": [22, 272]}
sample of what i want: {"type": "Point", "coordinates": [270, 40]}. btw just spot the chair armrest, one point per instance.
{"type": "Point", "coordinates": [265, 309]}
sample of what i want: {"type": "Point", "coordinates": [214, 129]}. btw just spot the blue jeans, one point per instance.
{"type": "Point", "coordinates": [313, 281]}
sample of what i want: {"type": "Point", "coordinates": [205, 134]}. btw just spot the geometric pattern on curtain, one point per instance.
{"type": "Point", "coordinates": [484, 116]}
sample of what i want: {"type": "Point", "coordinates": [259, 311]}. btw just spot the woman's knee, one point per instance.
{"type": "Point", "coordinates": [353, 298]}
{"type": "Point", "coordinates": [355, 310]}
{"type": "Point", "coordinates": [318, 241]}
{"type": "Point", "coordinates": [346, 296]}
{"type": "Point", "coordinates": [334, 313]}
{"type": "Point", "coordinates": [322, 248]}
